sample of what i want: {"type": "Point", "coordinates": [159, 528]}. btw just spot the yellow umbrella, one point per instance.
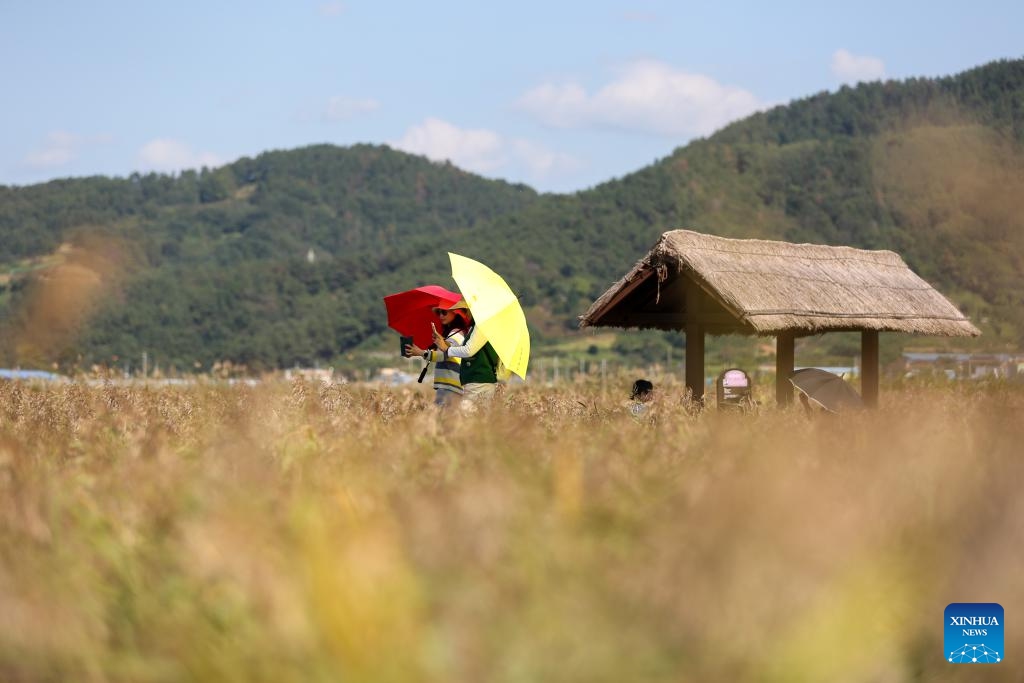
{"type": "Point", "coordinates": [496, 311]}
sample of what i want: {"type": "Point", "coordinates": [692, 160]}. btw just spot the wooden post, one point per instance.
{"type": "Point", "coordinates": [869, 367]}
{"type": "Point", "coordinates": [785, 354]}
{"type": "Point", "coordinates": [695, 360]}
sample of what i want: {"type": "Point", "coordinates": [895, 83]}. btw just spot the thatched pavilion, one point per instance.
{"type": "Point", "coordinates": [702, 284]}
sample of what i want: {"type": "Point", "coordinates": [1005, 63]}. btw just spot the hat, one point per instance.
{"type": "Point", "coordinates": [461, 303]}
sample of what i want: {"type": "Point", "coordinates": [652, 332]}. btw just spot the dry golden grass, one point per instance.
{"type": "Point", "coordinates": [300, 533]}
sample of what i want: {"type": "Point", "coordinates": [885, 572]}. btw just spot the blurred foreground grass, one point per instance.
{"type": "Point", "coordinates": [326, 534]}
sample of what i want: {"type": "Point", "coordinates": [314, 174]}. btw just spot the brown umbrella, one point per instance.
{"type": "Point", "coordinates": [829, 391]}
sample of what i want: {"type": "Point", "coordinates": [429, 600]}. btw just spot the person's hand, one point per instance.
{"type": "Point", "coordinates": [413, 350]}
{"type": "Point", "coordinates": [441, 342]}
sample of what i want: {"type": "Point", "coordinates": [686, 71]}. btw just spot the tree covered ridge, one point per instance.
{"type": "Point", "coordinates": [283, 258]}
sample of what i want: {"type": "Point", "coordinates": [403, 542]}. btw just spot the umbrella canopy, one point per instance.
{"type": "Point", "coordinates": [411, 312]}
{"type": "Point", "coordinates": [829, 391]}
{"type": "Point", "coordinates": [496, 311]}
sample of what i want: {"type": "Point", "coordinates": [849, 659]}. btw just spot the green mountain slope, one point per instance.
{"type": "Point", "coordinates": [270, 261]}
{"type": "Point", "coordinates": [282, 259]}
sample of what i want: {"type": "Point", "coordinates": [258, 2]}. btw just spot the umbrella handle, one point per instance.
{"type": "Point", "coordinates": [423, 373]}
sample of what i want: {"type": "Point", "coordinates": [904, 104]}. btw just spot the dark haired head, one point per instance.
{"type": "Point", "coordinates": [460, 321]}
{"type": "Point", "coordinates": [642, 390]}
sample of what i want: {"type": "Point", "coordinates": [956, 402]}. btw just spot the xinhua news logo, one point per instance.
{"type": "Point", "coordinates": [974, 633]}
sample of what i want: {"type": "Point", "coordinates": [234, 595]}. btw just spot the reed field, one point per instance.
{"type": "Point", "coordinates": [330, 533]}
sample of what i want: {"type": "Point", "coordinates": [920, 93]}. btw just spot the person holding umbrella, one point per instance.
{"type": "Point", "coordinates": [455, 321]}
{"type": "Point", "coordinates": [478, 369]}
{"type": "Point", "coordinates": [498, 341]}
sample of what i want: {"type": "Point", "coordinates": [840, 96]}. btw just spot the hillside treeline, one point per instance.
{"type": "Point", "coordinates": [282, 259]}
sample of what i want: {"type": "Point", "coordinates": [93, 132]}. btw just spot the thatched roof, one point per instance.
{"type": "Point", "coordinates": [766, 287]}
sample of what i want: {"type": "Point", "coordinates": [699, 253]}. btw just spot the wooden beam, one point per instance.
{"type": "Point", "coordinates": [626, 290]}
{"type": "Point", "coordinates": [869, 367]}
{"type": "Point", "coordinates": [677, 320]}
{"type": "Point", "coordinates": [785, 356]}
{"type": "Point", "coordinates": [695, 360]}
{"type": "Point", "coordinates": [670, 321]}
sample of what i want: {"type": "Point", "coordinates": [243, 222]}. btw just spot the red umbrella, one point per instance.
{"type": "Point", "coordinates": [411, 312]}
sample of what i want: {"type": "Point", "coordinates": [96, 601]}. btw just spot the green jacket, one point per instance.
{"type": "Point", "coordinates": [481, 368]}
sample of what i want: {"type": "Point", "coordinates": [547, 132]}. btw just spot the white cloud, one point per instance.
{"type": "Point", "coordinates": [851, 68]}
{"type": "Point", "coordinates": [331, 9]}
{"type": "Point", "coordinates": [562, 106]}
{"type": "Point", "coordinates": [340, 108]}
{"type": "Point", "coordinates": [540, 162]}
{"type": "Point", "coordinates": [165, 154]}
{"type": "Point", "coordinates": [61, 148]}
{"type": "Point", "coordinates": [647, 96]}
{"type": "Point", "coordinates": [473, 149]}
{"type": "Point", "coordinates": [484, 151]}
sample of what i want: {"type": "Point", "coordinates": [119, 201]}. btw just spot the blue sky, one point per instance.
{"type": "Point", "coordinates": [559, 95]}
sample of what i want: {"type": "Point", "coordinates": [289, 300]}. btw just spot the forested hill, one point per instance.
{"type": "Point", "coordinates": [271, 261]}
{"type": "Point", "coordinates": [282, 259]}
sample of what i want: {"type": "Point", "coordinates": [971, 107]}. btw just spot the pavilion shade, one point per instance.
{"type": "Point", "coordinates": [766, 287]}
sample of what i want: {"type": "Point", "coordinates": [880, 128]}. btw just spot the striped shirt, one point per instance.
{"type": "Point", "coordinates": [446, 370]}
